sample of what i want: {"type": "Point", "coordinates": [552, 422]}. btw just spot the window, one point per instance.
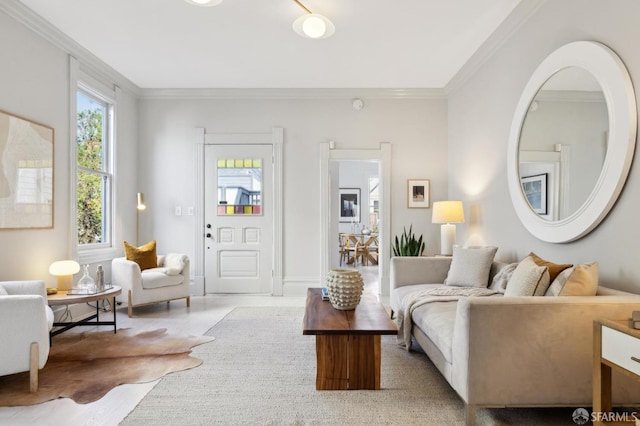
{"type": "Point", "coordinates": [93, 171]}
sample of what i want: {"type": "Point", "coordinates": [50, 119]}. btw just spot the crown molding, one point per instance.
{"type": "Point", "coordinates": [520, 14]}
{"type": "Point", "coordinates": [292, 93]}
{"type": "Point", "coordinates": [88, 61]}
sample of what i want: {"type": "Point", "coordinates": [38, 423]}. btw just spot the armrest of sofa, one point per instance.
{"type": "Point", "coordinates": [410, 270]}
{"type": "Point", "coordinates": [24, 320]}
{"type": "Point", "coordinates": [533, 350]}
{"type": "Point", "coordinates": [126, 274]}
{"type": "Point", "coordinates": [36, 287]}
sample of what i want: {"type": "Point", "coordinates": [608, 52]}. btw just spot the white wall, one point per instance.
{"type": "Point", "coordinates": [480, 115]}
{"type": "Point", "coordinates": [416, 129]}
{"type": "Point", "coordinates": [35, 84]}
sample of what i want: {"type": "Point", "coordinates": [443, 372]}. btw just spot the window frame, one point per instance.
{"type": "Point", "coordinates": [90, 253]}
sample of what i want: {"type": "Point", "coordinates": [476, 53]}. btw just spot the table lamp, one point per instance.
{"type": "Point", "coordinates": [64, 270]}
{"type": "Point", "coordinates": [447, 213]}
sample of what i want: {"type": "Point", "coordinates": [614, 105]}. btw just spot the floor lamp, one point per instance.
{"type": "Point", "coordinates": [139, 206]}
{"type": "Point", "coordinates": [447, 213]}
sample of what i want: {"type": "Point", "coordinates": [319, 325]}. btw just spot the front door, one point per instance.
{"type": "Point", "coordinates": [238, 217]}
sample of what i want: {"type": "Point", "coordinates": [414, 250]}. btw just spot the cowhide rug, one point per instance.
{"type": "Point", "coordinates": [85, 366]}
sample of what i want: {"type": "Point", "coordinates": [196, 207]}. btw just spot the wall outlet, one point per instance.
{"type": "Point", "coordinates": [178, 211]}
{"type": "Point", "coordinates": [189, 211]}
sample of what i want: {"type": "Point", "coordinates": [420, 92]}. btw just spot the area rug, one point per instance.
{"type": "Point", "coordinates": [260, 370]}
{"type": "Point", "coordinates": [85, 366]}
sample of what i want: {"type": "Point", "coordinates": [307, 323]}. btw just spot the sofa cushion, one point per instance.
{"type": "Point", "coordinates": [50, 317]}
{"type": "Point", "coordinates": [399, 295]}
{"type": "Point", "coordinates": [528, 279]}
{"type": "Point", "coordinates": [436, 320]}
{"type": "Point", "coordinates": [579, 280]}
{"type": "Point", "coordinates": [554, 268]}
{"type": "Point", "coordinates": [157, 278]}
{"type": "Point", "coordinates": [145, 256]}
{"type": "Point", "coordinates": [3, 292]}
{"type": "Point", "coordinates": [470, 267]}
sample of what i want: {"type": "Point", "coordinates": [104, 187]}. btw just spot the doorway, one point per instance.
{"type": "Point", "coordinates": [329, 201]}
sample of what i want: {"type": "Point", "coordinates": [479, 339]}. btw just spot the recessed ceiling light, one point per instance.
{"type": "Point", "coordinates": [204, 3]}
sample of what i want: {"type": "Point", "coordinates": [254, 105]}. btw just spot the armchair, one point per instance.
{"type": "Point", "coordinates": [168, 281]}
{"type": "Point", "coordinates": [26, 320]}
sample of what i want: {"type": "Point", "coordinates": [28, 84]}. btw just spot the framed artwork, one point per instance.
{"type": "Point", "coordinates": [418, 193]}
{"type": "Point", "coordinates": [535, 190]}
{"type": "Point", "coordinates": [26, 173]}
{"type": "Point", "coordinates": [349, 205]}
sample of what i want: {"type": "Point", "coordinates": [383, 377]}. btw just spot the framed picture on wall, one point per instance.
{"type": "Point", "coordinates": [349, 205]}
{"type": "Point", "coordinates": [418, 194]}
{"type": "Point", "coordinates": [535, 189]}
{"type": "Point", "coordinates": [26, 173]}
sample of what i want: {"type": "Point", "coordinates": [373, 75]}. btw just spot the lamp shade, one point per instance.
{"type": "Point", "coordinates": [447, 212]}
{"type": "Point", "coordinates": [314, 26]}
{"type": "Point", "coordinates": [64, 267]}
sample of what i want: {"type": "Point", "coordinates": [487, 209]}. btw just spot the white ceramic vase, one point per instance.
{"type": "Point", "coordinates": [345, 287]}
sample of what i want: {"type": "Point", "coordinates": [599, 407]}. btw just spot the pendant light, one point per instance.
{"type": "Point", "coordinates": [313, 25]}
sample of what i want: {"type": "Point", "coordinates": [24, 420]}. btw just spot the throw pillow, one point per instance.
{"type": "Point", "coordinates": [500, 280]}
{"type": "Point", "coordinates": [3, 292]}
{"type": "Point", "coordinates": [579, 280]}
{"type": "Point", "coordinates": [554, 268]}
{"type": "Point", "coordinates": [144, 256]}
{"type": "Point", "coordinates": [470, 267]}
{"type": "Point", "coordinates": [528, 279]}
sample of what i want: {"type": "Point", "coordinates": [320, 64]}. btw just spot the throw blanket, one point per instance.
{"type": "Point", "coordinates": [438, 294]}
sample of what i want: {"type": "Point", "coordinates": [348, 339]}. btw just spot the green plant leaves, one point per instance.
{"type": "Point", "coordinates": [408, 245]}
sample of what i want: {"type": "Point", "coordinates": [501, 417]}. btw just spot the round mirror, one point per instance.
{"type": "Point", "coordinates": [571, 142]}
{"type": "Point", "coordinates": [563, 143]}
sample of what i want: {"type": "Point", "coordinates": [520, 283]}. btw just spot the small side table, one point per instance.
{"type": "Point", "coordinates": [62, 298]}
{"type": "Point", "coordinates": [616, 346]}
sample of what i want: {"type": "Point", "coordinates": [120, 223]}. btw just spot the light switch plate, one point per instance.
{"type": "Point", "coordinates": [178, 211]}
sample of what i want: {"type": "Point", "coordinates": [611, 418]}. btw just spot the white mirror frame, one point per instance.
{"type": "Point", "coordinates": [611, 74]}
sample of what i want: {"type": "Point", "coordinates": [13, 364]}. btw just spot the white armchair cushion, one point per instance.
{"type": "Point", "coordinates": [158, 277]}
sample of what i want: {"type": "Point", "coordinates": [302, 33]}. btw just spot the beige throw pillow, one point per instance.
{"type": "Point", "coordinates": [554, 268]}
{"type": "Point", "coordinates": [528, 279]}
{"type": "Point", "coordinates": [580, 280]}
{"type": "Point", "coordinates": [470, 267]}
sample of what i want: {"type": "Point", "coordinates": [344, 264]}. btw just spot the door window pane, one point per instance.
{"type": "Point", "coordinates": [239, 186]}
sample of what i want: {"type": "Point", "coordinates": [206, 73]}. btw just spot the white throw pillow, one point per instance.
{"type": "Point", "coordinates": [470, 267]}
{"type": "Point", "coordinates": [3, 292]}
{"type": "Point", "coordinates": [528, 279]}
{"type": "Point", "coordinates": [579, 280]}
{"type": "Point", "coordinates": [174, 263]}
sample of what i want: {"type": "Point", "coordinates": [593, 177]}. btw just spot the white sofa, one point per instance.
{"type": "Point", "coordinates": [502, 351]}
{"type": "Point", "coordinates": [160, 284]}
{"type": "Point", "coordinates": [26, 321]}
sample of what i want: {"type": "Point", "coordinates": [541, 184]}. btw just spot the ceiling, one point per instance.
{"type": "Point", "coordinates": [164, 44]}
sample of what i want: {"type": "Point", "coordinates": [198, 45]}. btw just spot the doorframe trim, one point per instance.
{"type": "Point", "coordinates": [276, 140]}
{"type": "Point", "coordinates": [382, 154]}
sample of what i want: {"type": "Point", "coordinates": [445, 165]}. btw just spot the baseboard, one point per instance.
{"type": "Point", "coordinates": [297, 286]}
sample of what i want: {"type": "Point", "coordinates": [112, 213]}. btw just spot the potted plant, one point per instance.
{"type": "Point", "coordinates": [407, 245]}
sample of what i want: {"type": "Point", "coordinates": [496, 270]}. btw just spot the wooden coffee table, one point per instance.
{"type": "Point", "coordinates": [62, 298]}
{"type": "Point", "coordinates": [347, 342]}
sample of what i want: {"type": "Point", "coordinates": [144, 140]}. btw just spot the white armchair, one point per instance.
{"type": "Point", "coordinates": [168, 281]}
{"type": "Point", "coordinates": [26, 321]}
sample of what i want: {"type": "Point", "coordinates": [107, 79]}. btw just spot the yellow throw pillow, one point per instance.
{"type": "Point", "coordinates": [554, 268]}
{"type": "Point", "coordinates": [144, 256]}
